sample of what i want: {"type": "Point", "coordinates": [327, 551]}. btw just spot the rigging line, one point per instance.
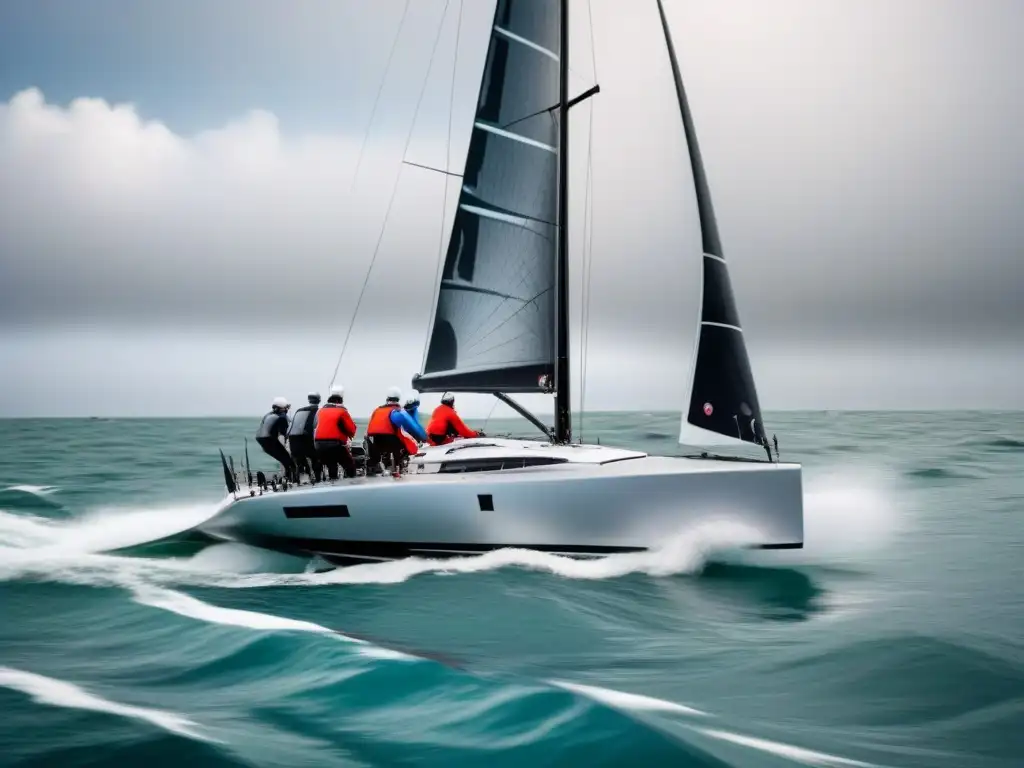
{"type": "Point", "coordinates": [588, 226]}
{"type": "Point", "coordinates": [431, 168]}
{"type": "Point", "coordinates": [491, 413]}
{"type": "Point", "coordinates": [588, 266]}
{"type": "Point", "coordinates": [394, 190]}
{"type": "Point", "coordinates": [438, 272]}
{"type": "Point", "coordinates": [376, 99]}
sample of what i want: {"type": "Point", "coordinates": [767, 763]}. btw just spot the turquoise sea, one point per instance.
{"type": "Point", "coordinates": [895, 638]}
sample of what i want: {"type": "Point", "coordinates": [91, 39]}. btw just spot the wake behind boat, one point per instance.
{"type": "Point", "coordinates": [501, 325]}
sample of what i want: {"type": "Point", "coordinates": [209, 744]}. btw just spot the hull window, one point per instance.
{"type": "Point", "coordinates": [493, 465]}
{"type": "Point", "coordinates": [326, 510]}
{"type": "Point", "coordinates": [486, 502]}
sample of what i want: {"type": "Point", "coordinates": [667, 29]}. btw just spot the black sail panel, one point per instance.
{"type": "Point", "coordinates": [723, 404]}
{"type": "Point", "coordinates": [723, 400]}
{"type": "Point", "coordinates": [494, 323]}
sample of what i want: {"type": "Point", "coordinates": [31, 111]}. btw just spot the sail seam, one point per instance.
{"type": "Point", "coordinates": [503, 323]}
{"type": "Point", "coordinates": [713, 256]}
{"type": "Point", "coordinates": [528, 43]}
{"type": "Point", "coordinates": [514, 136]}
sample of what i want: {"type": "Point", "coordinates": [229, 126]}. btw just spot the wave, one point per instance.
{"type": "Point", "coordinates": [186, 605]}
{"type": "Point", "coordinates": [106, 529]}
{"type": "Point", "coordinates": [939, 679]}
{"type": "Point", "coordinates": [788, 751]}
{"type": "Point", "coordinates": [80, 552]}
{"type": "Point", "coordinates": [941, 473]}
{"type": "Point", "coordinates": [58, 693]}
{"type": "Point", "coordinates": [38, 492]}
{"type": "Point", "coordinates": [33, 498]}
{"type": "Point", "coordinates": [630, 701]}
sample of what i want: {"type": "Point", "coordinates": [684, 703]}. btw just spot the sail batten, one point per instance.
{"type": "Point", "coordinates": [493, 325]}
{"type": "Point", "coordinates": [529, 43]}
{"type": "Point", "coordinates": [497, 131]}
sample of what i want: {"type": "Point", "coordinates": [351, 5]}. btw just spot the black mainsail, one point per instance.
{"type": "Point", "coordinates": [723, 404]}
{"type": "Point", "coordinates": [495, 323]}
{"type": "Point", "coordinates": [501, 320]}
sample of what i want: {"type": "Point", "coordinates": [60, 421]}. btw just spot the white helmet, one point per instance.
{"type": "Point", "coordinates": [394, 393]}
{"type": "Point", "coordinates": [338, 390]}
{"type": "Point", "coordinates": [413, 398]}
{"type": "Point", "coordinates": [447, 398]}
{"type": "Point", "coordinates": [281, 402]}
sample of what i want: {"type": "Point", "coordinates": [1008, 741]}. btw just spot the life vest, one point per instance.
{"type": "Point", "coordinates": [439, 420]}
{"type": "Point", "coordinates": [329, 423]}
{"type": "Point", "coordinates": [380, 420]}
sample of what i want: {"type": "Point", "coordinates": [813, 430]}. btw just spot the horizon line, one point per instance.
{"type": "Point", "coordinates": [675, 413]}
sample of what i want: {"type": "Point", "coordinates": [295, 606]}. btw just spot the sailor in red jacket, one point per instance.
{"type": "Point", "coordinates": [334, 428]}
{"type": "Point", "coordinates": [445, 424]}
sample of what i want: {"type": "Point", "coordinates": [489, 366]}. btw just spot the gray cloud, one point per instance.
{"type": "Point", "coordinates": [866, 170]}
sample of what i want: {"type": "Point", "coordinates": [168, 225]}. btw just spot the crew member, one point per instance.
{"type": "Point", "coordinates": [334, 428]}
{"type": "Point", "coordinates": [272, 433]}
{"type": "Point", "coordinates": [300, 438]}
{"type": "Point", "coordinates": [411, 407]}
{"type": "Point", "coordinates": [445, 424]}
{"type": "Point", "coordinates": [384, 433]}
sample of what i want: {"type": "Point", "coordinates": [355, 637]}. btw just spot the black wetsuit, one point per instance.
{"type": "Point", "coordinates": [384, 447]}
{"type": "Point", "coordinates": [300, 440]}
{"type": "Point", "coordinates": [273, 427]}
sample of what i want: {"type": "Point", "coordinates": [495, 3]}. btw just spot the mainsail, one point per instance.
{"type": "Point", "coordinates": [495, 320]}
{"type": "Point", "coordinates": [723, 406]}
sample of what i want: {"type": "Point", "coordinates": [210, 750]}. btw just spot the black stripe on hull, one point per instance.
{"type": "Point", "coordinates": [342, 552]}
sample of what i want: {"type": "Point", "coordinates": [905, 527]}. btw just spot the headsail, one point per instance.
{"type": "Point", "coordinates": [494, 324]}
{"type": "Point", "coordinates": [722, 406]}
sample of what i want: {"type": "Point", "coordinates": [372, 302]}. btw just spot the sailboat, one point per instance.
{"type": "Point", "coordinates": [501, 326]}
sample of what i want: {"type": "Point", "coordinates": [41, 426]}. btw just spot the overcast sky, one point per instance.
{"type": "Point", "coordinates": [181, 230]}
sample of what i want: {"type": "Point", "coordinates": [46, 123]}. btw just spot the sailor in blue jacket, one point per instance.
{"type": "Point", "coordinates": [384, 433]}
{"type": "Point", "coordinates": [411, 407]}
{"type": "Point", "coordinates": [406, 419]}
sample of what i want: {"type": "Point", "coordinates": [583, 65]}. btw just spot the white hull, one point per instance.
{"type": "Point", "coordinates": [598, 501]}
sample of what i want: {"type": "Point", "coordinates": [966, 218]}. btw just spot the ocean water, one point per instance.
{"type": "Point", "coordinates": [895, 638]}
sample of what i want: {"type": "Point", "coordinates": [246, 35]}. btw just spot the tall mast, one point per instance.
{"type": "Point", "coordinates": [563, 414]}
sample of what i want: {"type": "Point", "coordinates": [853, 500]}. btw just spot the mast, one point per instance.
{"type": "Point", "coordinates": [563, 413]}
